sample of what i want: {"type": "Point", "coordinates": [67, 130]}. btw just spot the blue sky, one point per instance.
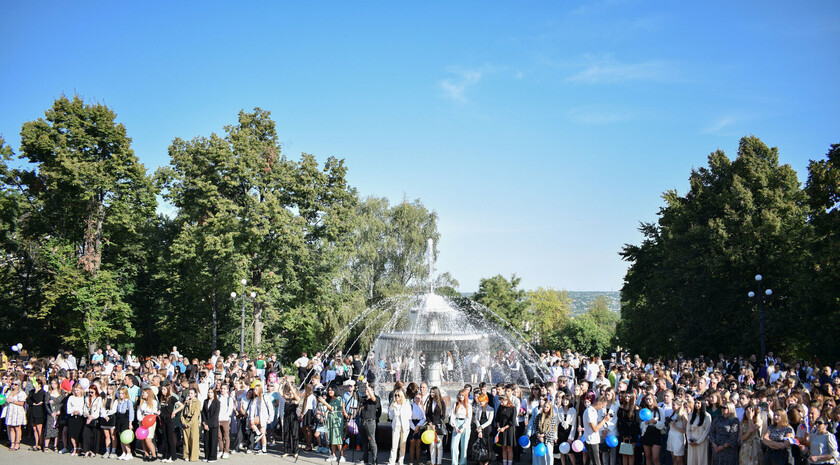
{"type": "Point", "coordinates": [542, 133]}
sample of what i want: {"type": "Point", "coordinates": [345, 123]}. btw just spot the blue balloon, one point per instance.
{"type": "Point", "coordinates": [540, 450]}
{"type": "Point", "coordinates": [645, 414]}
{"type": "Point", "coordinates": [524, 441]}
{"type": "Point", "coordinates": [612, 441]}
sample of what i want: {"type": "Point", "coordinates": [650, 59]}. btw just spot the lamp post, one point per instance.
{"type": "Point", "coordinates": [242, 328]}
{"type": "Point", "coordinates": [760, 296]}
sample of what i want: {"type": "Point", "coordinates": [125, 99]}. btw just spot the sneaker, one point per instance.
{"type": "Point", "coordinates": [63, 451]}
{"type": "Point", "coordinates": [341, 460]}
{"type": "Point", "coordinates": [330, 459]}
{"type": "Point", "coordinates": [225, 455]}
{"type": "Point", "coordinates": [261, 452]}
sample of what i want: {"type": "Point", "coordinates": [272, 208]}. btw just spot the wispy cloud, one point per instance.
{"type": "Point", "coordinates": [721, 126]}
{"type": "Point", "coordinates": [609, 70]}
{"type": "Point", "coordinates": [591, 114]}
{"type": "Point", "coordinates": [456, 86]}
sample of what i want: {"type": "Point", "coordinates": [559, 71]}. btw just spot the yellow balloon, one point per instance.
{"type": "Point", "coordinates": [428, 437]}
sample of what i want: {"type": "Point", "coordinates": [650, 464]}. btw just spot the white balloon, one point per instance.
{"type": "Point", "coordinates": [84, 383]}
{"type": "Point", "coordinates": [14, 348]}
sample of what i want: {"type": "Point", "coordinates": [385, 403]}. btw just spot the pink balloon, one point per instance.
{"type": "Point", "coordinates": [141, 433]}
{"type": "Point", "coordinates": [577, 446]}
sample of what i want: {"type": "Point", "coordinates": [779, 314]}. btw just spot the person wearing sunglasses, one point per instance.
{"type": "Point", "coordinates": [823, 449]}
{"type": "Point", "coordinates": [15, 413]}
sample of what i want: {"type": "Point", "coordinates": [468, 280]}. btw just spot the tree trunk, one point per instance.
{"type": "Point", "coordinates": [215, 320]}
{"type": "Point", "coordinates": [91, 257]}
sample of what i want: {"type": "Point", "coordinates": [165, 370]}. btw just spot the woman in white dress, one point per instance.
{"type": "Point", "coordinates": [698, 435]}
{"type": "Point", "coordinates": [15, 413]}
{"type": "Point", "coordinates": [676, 434]}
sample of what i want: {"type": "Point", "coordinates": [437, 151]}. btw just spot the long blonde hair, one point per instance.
{"type": "Point", "coordinates": [545, 420]}
{"type": "Point", "coordinates": [150, 398]}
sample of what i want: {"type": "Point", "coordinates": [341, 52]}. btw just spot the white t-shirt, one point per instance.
{"type": "Point", "coordinates": [590, 416]}
{"type": "Point", "coordinates": [302, 362]}
{"type": "Point", "coordinates": [592, 370]}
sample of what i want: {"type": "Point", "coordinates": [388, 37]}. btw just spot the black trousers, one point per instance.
{"type": "Point", "coordinates": [291, 432]}
{"type": "Point", "coordinates": [90, 436]}
{"type": "Point", "coordinates": [211, 443]}
{"type": "Point", "coordinates": [168, 444]}
{"type": "Point", "coordinates": [369, 433]}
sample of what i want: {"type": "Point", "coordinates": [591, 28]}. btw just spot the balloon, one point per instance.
{"type": "Point", "coordinates": [66, 385]}
{"type": "Point", "coordinates": [84, 383]}
{"type": "Point", "coordinates": [577, 446]}
{"type": "Point", "coordinates": [127, 436]}
{"type": "Point", "coordinates": [645, 414]}
{"type": "Point", "coordinates": [540, 450]}
{"type": "Point", "coordinates": [612, 441]}
{"type": "Point", "coordinates": [524, 442]}
{"type": "Point", "coordinates": [14, 348]}
{"type": "Point", "coordinates": [142, 433]}
{"type": "Point", "coordinates": [2, 399]}
{"type": "Point", "coordinates": [19, 346]}
{"type": "Point", "coordinates": [148, 422]}
{"type": "Point", "coordinates": [565, 447]}
{"type": "Point", "coordinates": [428, 436]}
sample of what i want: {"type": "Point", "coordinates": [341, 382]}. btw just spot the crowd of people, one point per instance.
{"type": "Point", "coordinates": [575, 410]}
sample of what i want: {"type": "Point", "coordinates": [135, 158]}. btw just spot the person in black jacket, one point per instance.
{"type": "Point", "coordinates": [210, 425]}
{"type": "Point", "coordinates": [369, 413]}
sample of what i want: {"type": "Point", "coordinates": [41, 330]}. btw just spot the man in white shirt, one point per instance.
{"type": "Point", "coordinates": [71, 361]}
{"type": "Point", "coordinates": [301, 364]}
{"type": "Point", "coordinates": [592, 369]}
{"type": "Point", "coordinates": [593, 421]}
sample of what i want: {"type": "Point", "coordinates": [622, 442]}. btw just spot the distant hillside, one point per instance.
{"type": "Point", "coordinates": [582, 299]}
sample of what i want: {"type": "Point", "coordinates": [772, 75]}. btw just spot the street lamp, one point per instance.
{"type": "Point", "coordinates": [761, 296]}
{"type": "Point", "coordinates": [242, 328]}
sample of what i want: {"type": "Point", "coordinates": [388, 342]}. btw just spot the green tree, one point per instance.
{"type": "Point", "coordinates": [823, 189]}
{"type": "Point", "coordinates": [687, 281]}
{"type": "Point", "coordinates": [87, 198]}
{"type": "Point", "coordinates": [508, 303]}
{"type": "Point", "coordinates": [550, 311]}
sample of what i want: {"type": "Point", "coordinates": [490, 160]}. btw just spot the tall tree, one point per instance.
{"type": "Point", "coordinates": [505, 300]}
{"type": "Point", "coordinates": [688, 280]}
{"type": "Point", "coordinates": [89, 198]}
{"type": "Point", "coordinates": [549, 311]}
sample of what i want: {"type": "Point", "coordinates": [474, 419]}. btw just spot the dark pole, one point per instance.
{"type": "Point", "coordinates": [761, 321]}
{"type": "Point", "coordinates": [242, 328]}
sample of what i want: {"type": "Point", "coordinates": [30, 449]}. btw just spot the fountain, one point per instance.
{"type": "Point", "coordinates": [457, 341]}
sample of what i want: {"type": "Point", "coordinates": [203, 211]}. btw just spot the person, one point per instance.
{"type": "Point", "coordinates": [566, 425]}
{"type": "Point", "coordinates": [416, 428]}
{"type": "Point", "coordinates": [399, 412]}
{"type": "Point", "coordinates": [435, 411]}
{"type": "Point", "coordinates": [108, 420]}
{"type": "Point", "coordinates": [725, 437]}
{"type": "Point", "coordinates": [90, 430]}
{"type": "Point", "coordinates": [750, 437]}
{"type": "Point", "coordinates": [308, 413]}
{"type": "Point", "coordinates": [227, 405]}
{"type": "Point", "coordinates": [210, 426]}
{"type": "Point", "coordinates": [698, 435]}
{"type": "Point", "coordinates": [545, 432]}
{"type": "Point", "coordinates": [460, 418]}
{"type": "Point", "coordinates": [76, 420]}
{"type": "Point", "coordinates": [483, 422]}
{"type": "Point", "coordinates": [778, 440]}
{"type": "Point", "coordinates": [190, 422]}
{"type": "Point", "coordinates": [302, 363]}
{"type": "Point", "coordinates": [823, 447]}
{"type": "Point", "coordinates": [37, 412]}
{"type": "Point", "coordinates": [168, 405]}
{"type": "Point", "coordinates": [506, 426]}
{"type": "Point", "coordinates": [124, 419]}
{"type": "Point", "coordinates": [652, 430]}
{"type": "Point", "coordinates": [370, 412]}
{"type": "Point", "coordinates": [148, 406]}
{"type": "Point", "coordinates": [629, 427]}
{"type": "Point", "coordinates": [335, 424]}
{"type": "Point", "coordinates": [260, 412]}
{"type": "Point", "coordinates": [291, 421]}
{"type": "Point", "coordinates": [16, 413]}
{"type": "Point", "coordinates": [593, 421]}
{"type": "Point", "coordinates": [56, 400]}
{"type": "Point", "coordinates": [675, 443]}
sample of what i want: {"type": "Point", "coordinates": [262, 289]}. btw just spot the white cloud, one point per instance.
{"type": "Point", "coordinates": [609, 70]}
{"type": "Point", "coordinates": [720, 125]}
{"type": "Point", "coordinates": [456, 86]}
